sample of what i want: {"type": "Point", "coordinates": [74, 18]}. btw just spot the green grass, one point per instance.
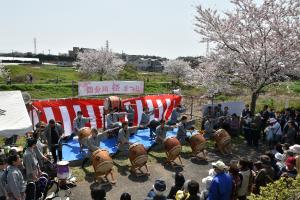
{"type": "Point", "coordinates": [43, 73]}
{"type": "Point", "coordinates": [295, 87]}
{"type": "Point", "coordinates": [20, 141]}
{"type": "Point", "coordinates": [45, 85]}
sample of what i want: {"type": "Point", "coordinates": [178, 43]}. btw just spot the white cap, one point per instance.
{"type": "Point", "coordinates": [272, 120]}
{"type": "Point", "coordinates": [219, 164]}
{"type": "Point", "coordinates": [295, 148]}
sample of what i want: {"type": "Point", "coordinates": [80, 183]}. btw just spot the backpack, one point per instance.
{"type": "Point", "coordinates": [30, 191]}
{"type": "Point", "coordinates": [41, 186]}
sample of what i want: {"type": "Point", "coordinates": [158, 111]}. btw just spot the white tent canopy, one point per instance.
{"type": "Point", "coordinates": [14, 118]}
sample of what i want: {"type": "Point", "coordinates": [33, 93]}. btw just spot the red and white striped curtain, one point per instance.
{"type": "Point", "coordinates": [65, 110]}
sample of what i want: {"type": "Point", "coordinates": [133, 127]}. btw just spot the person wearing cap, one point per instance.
{"type": "Point", "coordinates": [3, 191]}
{"type": "Point", "coordinates": [289, 170]}
{"type": "Point", "coordinates": [273, 132]}
{"type": "Point", "coordinates": [158, 190]}
{"type": "Point", "coordinates": [52, 134]}
{"type": "Point", "coordinates": [179, 181]}
{"type": "Point", "coordinates": [30, 161]}
{"type": "Point", "coordinates": [175, 115]}
{"type": "Point", "coordinates": [221, 185]}
{"type": "Point", "coordinates": [296, 150]}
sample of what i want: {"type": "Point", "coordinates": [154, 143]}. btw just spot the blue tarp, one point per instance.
{"type": "Point", "coordinates": [71, 150]}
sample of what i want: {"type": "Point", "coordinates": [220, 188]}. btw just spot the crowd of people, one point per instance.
{"type": "Point", "coordinates": [279, 131]}
{"type": "Point", "coordinates": [269, 126]}
{"type": "Point", "coordinates": [236, 181]}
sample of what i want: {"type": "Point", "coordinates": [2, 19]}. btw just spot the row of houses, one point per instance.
{"type": "Point", "coordinates": [141, 63]}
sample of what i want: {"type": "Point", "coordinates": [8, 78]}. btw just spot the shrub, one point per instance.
{"type": "Point", "coordinates": [283, 189]}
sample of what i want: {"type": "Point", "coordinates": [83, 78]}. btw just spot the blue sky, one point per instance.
{"type": "Point", "coordinates": [152, 27]}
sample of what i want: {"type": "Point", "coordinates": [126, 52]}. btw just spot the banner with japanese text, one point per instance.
{"type": "Point", "coordinates": [92, 88]}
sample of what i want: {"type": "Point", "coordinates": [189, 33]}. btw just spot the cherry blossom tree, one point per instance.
{"type": "Point", "coordinates": [205, 75]}
{"type": "Point", "coordinates": [254, 45]}
{"type": "Point", "coordinates": [2, 70]}
{"type": "Point", "coordinates": [101, 62]}
{"type": "Point", "coordinates": [178, 68]}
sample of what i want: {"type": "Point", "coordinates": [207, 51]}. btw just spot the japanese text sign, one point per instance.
{"type": "Point", "coordinates": [90, 88]}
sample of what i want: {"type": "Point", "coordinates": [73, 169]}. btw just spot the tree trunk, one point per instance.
{"type": "Point", "coordinates": [100, 77]}
{"type": "Point", "coordinates": [254, 97]}
{"type": "Point", "coordinates": [178, 80]}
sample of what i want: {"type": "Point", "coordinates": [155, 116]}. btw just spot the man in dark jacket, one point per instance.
{"type": "Point", "coordinates": [52, 134]}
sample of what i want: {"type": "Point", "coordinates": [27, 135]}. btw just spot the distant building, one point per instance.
{"type": "Point", "coordinates": [145, 64]}
{"type": "Point", "coordinates": [19, 60]}
{"type": "Point", "coordinates": [76, 50]}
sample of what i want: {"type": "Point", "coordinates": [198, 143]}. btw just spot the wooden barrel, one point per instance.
{"type": "Point", "coordinates": [102, 162]}
{"type": "Point", "coordinates": [172, 147]}
{"type": "Point", "coordinates": [112, 102]}
{"type": "Point", "coordinates": [138, 155]}
{"type": "Point", "coordinates": [83, 134]}
{"type": "Point", "coordinates": [197, 142]}
{"type": "Point", "coordinates": [222, 138]}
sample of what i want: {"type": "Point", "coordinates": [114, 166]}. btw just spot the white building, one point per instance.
{"type": "Point", "coordinates": [146, 64]}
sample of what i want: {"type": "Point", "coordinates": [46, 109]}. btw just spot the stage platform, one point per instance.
{"type": "Point", "coordinates": [71, 150]}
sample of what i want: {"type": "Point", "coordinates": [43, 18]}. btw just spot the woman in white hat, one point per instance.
{"type": "Point", "coordinates": [273, 132]}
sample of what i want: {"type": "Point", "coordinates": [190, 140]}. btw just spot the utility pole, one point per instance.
{"type": "Point", "coordinates": [34, 44]}
{"type": "Point", "coordinates": [107, 45]}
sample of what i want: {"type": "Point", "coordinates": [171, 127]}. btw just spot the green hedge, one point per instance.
{"type": "Point", "coordinates": [283, 189]}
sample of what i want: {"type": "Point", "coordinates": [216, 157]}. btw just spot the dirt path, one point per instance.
{"type": "Point", "coordinates": [139, 187]}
